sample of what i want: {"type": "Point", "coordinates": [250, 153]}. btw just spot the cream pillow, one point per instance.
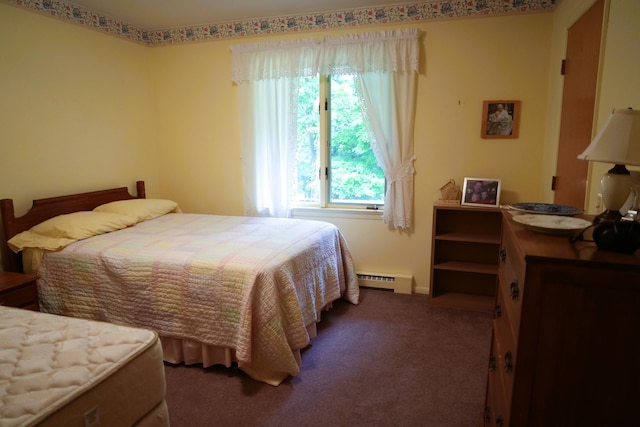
{"type": "Point", "coordinates": [27, 239]}
{"type": "Point", "coordinates": [141, 209]}
{"type": "Point", "coordinates": [83, 224]}
{"type": "Point", "coordinates": [62, 230]}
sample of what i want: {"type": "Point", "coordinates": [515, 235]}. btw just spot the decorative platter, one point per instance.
{"type": "Point", "coordinates": [552, 224]}
{"type": "Point", "coordinates": [546, 209]}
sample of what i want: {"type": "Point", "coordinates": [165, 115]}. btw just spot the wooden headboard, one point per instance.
{"type": "Point", "coordinates": [43, 209]}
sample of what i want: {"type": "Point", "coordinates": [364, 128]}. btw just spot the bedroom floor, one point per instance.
{"type": "Point", "coordinates": [393, 360]}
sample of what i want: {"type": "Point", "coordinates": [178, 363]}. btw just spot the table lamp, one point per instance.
{"type": "Point", "coordinates": [618, 142]}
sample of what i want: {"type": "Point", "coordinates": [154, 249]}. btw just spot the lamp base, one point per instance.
{"type": "Point", "coordinates": [607, 216]}
{"type": "Point", "coordinates": [616, 187]}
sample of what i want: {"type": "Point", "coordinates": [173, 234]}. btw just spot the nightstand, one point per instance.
{"type": "Point", "coordinates": [18, 290]}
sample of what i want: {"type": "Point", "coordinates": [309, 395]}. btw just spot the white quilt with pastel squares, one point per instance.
{"type": "Point", "coordinates": [246, 283]}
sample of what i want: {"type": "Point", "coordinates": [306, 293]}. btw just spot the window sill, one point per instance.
{"type": "Point", "coordinates": [318, 213]}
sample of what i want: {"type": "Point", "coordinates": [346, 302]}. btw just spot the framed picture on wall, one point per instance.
{"type": "Point", "coordinates": [481, 192]}
{"type": "Point", "coordinates": [500, 119]}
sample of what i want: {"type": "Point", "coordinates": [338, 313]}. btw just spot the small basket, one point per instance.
{"type": "Point", "coordinates": [450, 192]}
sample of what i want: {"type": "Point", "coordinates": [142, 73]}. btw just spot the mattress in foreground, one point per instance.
{"type": "Point", "coordinates": [251, 285]}
{"type": "Point", "coordinates": [58, 371]}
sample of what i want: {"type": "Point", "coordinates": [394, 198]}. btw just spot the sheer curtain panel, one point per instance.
{"type": "Point", "coordinates": [388, 102]}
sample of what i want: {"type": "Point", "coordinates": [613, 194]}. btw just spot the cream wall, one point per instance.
{"type": "Point", "coordinates": [198, 128]}
{"type": "Point", "coordinates": [619, 85]}
{"type": "Point", "coordinates": [618, 82]}
{"type": "Point", "coordinates": [82, 110]}
{"type": "Point", "coordinates": [76, 109]}
{"type": "Point", "coordinates": [464, 62]}
{"type": "Point", "coordinates": [87, 110]}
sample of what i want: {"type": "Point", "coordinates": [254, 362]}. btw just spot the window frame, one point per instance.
{"type": "Point", "coordinates": [324, 153]}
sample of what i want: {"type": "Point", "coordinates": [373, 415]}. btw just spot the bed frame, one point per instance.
{"type": "Point", "coordinates": [43, 209]}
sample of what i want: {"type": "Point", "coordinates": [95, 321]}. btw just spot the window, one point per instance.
{"type": "Point", "coordinates": [335, 163]}
{"type": "Point", "coordinates": [284, 156]}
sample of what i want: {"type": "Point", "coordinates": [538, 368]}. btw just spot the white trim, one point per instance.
{"type": "Point", "coordinates": [400, 283]}
{"type": "Point", "coordinates": [318, 213]}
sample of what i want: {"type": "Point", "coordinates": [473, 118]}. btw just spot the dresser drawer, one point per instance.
{"type": "Point", "coordinates": [505, 348]}
{"type": "Point", "coordinates": [20, 297]}
{"type": "Point", "coordinates": [511, 282]}
{"type": "Point", "coordinates": [502, 322]}
{"type": "Point", "coordinates": [498, 397]}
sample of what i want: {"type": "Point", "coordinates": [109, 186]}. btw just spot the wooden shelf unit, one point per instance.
{"type": "Point", "coordinates": [464, 256]}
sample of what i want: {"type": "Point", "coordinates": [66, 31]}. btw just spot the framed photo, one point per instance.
{"type": "Point", "coordinates": [500, 119]}
{"type": "Point", "coordinates": [481, 192]}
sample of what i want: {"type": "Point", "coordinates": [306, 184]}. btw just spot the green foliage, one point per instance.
{"type": "Point", "coordinates": [307, 148]}
{"type": "Point", "coordinates": [354, 174]}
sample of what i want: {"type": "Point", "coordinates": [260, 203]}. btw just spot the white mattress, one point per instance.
{"type": "Point", "coordinates": [58, 371]}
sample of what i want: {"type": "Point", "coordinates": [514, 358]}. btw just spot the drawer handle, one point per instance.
{"type": "Point", "coordinates": [514, 290]}
{"type": "Point", "coordinates": [498, 312]}
{"type": "Point", "coordinates": [503, 254]}
{"type": "Point", "coordinates": [508, 362]}
{"type": "Point", "coordinates": [492, 363]}
{"type": "Point", "coordinates": [487, 414]}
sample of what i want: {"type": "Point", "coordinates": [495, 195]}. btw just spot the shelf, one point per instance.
{"type": "Point", "coordinates": [457, 206]}
{"type": "Point", "coordinates": [465, 249]}
{"type": "Point", "coordinates": [465, 301]}
{"type": "Point", "coordinates": [470, 267]}
{"type": "Point", "coordinates": [468, 237]}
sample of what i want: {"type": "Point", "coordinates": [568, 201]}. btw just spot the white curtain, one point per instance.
{"type": "Point", "coordinates": [389, 107]}
{"type": "Point", "coordinates": [266, 74]}
{"type": "Point", "coordinates": [268, 117]}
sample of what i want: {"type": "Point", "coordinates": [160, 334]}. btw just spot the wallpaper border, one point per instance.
{"type": "Point", "coordinates": [409, 12]}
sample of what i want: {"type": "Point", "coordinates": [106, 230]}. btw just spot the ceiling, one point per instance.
{"type": "Point", "coordinates": [165, 14]}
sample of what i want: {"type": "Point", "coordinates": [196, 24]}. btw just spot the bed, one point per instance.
{"type": "Point", "coordinates": [217, 289]}
{"type": "Point", "coordinates": [57, 371]}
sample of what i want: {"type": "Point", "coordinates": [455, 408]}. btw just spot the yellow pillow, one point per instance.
{"type": "Point", "coordinates": [80, 225]}
{"type": "Point", "coordinates": [27, 239]}
{"type": "Point", "coordinates": [141, 209]}
{"type": "Point", "coordinates": [62, 230]}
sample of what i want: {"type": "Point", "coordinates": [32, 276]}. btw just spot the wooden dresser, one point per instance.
{"type": "Point", "coordinates": [566, 334]}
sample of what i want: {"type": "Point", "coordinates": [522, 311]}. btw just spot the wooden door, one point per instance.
{"type": "Point", "coordinates": [578, 105]}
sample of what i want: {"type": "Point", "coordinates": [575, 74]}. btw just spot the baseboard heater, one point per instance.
{"type": "Point", "coordinates": [400, 283]}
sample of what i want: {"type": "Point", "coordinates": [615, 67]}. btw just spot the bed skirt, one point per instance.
{"type": "Point", "coordinates": [177, 351]}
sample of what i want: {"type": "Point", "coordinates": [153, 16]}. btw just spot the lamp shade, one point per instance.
{"type": "Point", "coordinates": [618, 141]}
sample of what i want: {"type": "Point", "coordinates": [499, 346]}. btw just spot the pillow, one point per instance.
{"type": "Point", "coordinates": [141, 209]}
{"type": "Point", "coordinates": [62, 230]}
{"type": "Point", "coordinates": [27, 239]}
{"type": "Point", "coordinates": [83, 224]}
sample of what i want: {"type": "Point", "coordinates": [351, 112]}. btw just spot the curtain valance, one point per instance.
{"type": "Point", "coordinates": [383, 51]}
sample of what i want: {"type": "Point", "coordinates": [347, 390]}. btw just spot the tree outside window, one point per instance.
{"type": "Point", "coordinates": [350, 175]}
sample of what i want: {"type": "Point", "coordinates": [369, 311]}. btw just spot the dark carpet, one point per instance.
{"type": "Point", "coordinates": [393, 360]}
